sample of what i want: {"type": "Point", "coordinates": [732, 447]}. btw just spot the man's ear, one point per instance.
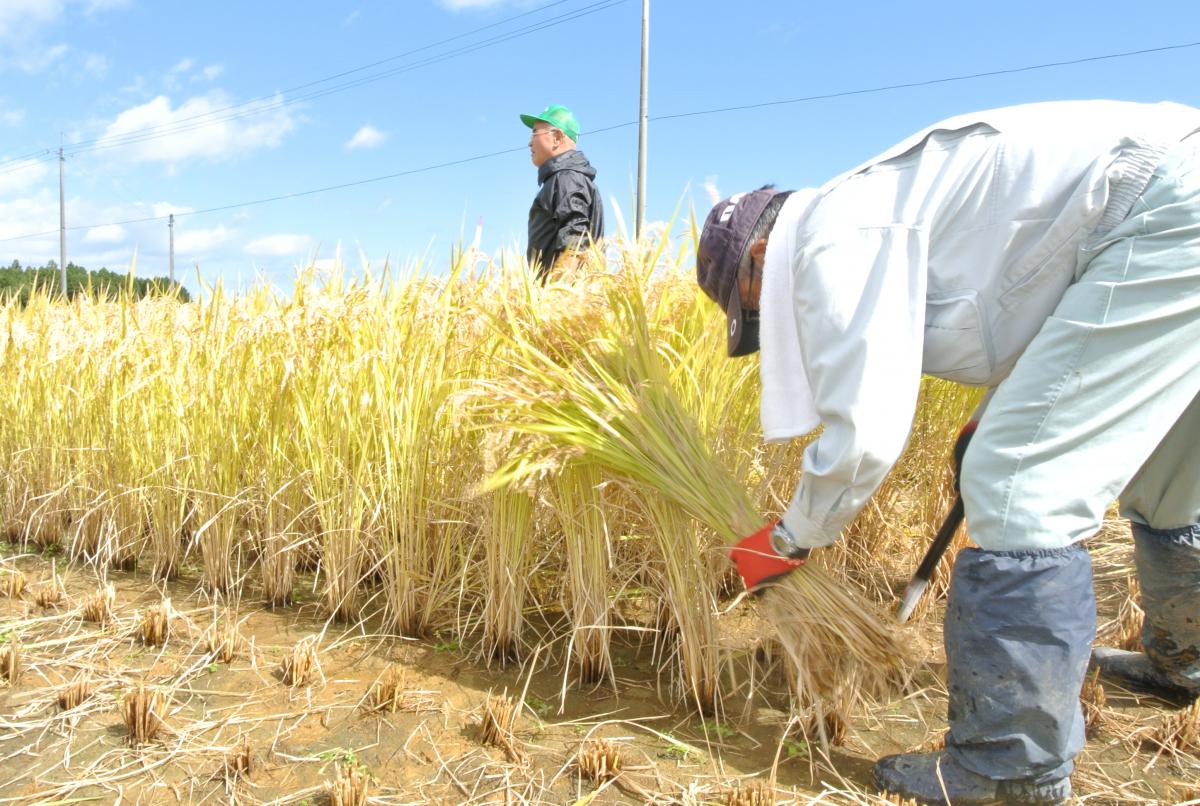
{"type": "Point", "coordinates": [758, 250]}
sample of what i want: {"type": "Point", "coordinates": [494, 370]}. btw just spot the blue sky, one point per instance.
{"type": "Point", "coordinates": [87, 71]}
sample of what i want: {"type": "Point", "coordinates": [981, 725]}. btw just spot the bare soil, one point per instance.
{"type": "Point", "coordinates": [431, 749]}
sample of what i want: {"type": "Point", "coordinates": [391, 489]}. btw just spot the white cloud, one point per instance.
{"type": "Point", "coordinates": [183, 65]}
{"type": "Point", "coordinates": [283, 245]}
{"type": "Point", "coordinates": [212, 71]}
{"type": "Point", "coordinates": [10, 117]}
{"type": "Point", "coordinates": [107, 233]}
{"type": "Point", "coordinates": [95, 65]}
{"type": "Point", "coordinates": [191, 244]}
{"type": "Point", "coordinates": [23, 24]}
{"type": "Point", "coordinates": [221, 138]}
{"type": "Point", "coordinates": [366, 137]}
{"type": "Point", "coordinates": [20, 176]}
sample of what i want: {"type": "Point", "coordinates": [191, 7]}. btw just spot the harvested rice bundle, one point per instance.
{"type": "Point", "coordinates": [12, 582]}
{"type": "Point", "coordinates": [614, 404]}
{"type": "Point", "coordinates": [599, 760]}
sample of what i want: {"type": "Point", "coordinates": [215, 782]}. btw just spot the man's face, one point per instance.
{"type": "Point", "coordinates": [750, 287]}
{"type": "Point", "coordinates": [545, 141]}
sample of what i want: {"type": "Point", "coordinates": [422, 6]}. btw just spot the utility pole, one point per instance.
{"type": "Point", "coordinates": [62, 225]}
{"type": "Point", "coordinates": [171, 227]}
{"type": "Point", "coordinates": [640, 219]}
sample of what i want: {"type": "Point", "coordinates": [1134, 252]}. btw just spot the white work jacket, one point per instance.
{"type": "Point", "coordinates": [945, 255]}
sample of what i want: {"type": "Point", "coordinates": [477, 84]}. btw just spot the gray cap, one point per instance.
{"type": "Point", "coordinates": [723, 242]}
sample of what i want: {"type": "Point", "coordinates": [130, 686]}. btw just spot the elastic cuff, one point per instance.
{"type": "Point", "coordinates": [807, 534]}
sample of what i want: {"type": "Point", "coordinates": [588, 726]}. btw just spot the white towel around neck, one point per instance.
{"type": "Point", "coordinates": [787, 409]}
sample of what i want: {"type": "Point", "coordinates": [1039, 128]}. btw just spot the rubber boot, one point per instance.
{"type": "Point", "coordinates": [1018, 632]}
{"type": "Point", "coordinates": [1168, 565]}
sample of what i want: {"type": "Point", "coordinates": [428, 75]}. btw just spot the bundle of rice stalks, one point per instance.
{"type": "Point", "coordinates": [1179, 733]}
{"type": "Point", "coordinates": [1125, 631]}
{"type": "Point", "coordinates": [142, 710]}
{"type": "Point", "coordinates": [349, 787]}
{"type": "Point", "coordinates": [10, 662]}
{"type": "Point", "coordinates": [750, 793]}
{"type": "Point", "coordinates": [223, 640]}
{"type": "Point", "coordinates": [75, 693]}
{"type": "Point", "coordinates": [300, 663]}
{"type": "Point", "coordinates": [577, 495]}
{"type": "Point", "coordinates": [50, 593]}
{"type": "Point", "coordinates": [496, 726]}
{"type": "Point", "coordinates": [388, 692]}
{"type": "Point", "coordinates": [614, 404]}
{"type": "Point", "coordinates": [98, 608]}
{"type": "Point", "coordinates": [155, 624]}
{"type": "Point", "coordinates": [599, 760]}
{"type": "Point", "coordinates": [507, 556]}
{"type": "Point", "coordinates": [12, 582]}
{"type": "Point", "coordinates": [236, 762]}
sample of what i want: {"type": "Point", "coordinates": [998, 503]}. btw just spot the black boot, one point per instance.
{"type": "Point", "coordinates": [1019, 627]}
{"type": "Point", "coordinates": [1168, 564]}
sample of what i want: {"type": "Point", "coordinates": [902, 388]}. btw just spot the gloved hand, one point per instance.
{"type": "Point", "coordinates": [766, 556]}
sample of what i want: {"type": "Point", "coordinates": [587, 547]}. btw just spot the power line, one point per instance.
{"type": "Point", "coordinates": [256, 106]}
{"type": "Point", "coordinates": [676, 116]}
{"type": "Point", "coordinates": [173, 129]}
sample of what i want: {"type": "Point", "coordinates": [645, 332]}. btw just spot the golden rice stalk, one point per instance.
{"type": "Point", "coordinates": [510, 538]}
{"type": "Point", "coordinates": [1178, 733]}
{"type": "Point", "coordinates": [349, 787]}
{"type": "Point", "coordinates": [223, 640]}
{"type": "Point", "coordinates": [155, 624]}
{"type": "Point", "coordinates": [301, 662]}
{"type": "Point", "coordinates": [599, 760]}
{"type": "Point", "coordinates": [614, 405]}
{"type": "Point", "coordinates": [1125, 631]}
{"type": "Point", "coordinates": [50, 592]}
{"type": "Point", "coordinates": [142, 710]}
{"type": "Point", "coordinates": [750, 793]}
{"type": "Point", "coordinates": [496, 726]}
{"type": "Point", "coordinates": [687, 620]}
{"type": "Point", "coordinates": [931, 744]}
{"type": "Point", "coordinates": [12, 582]}
{"type": "Point", "coordinates": [73, 694]}
{"type": "Point", "coordinates": [387, 693]}
{"type": "Point", "coordinates": [98, 607]}
{"type": "Point", "coordinates": [1094, 702]}
{"type": "Point", "coordinates": [391, 692]}
{"type": "Point", "coordinates": [237, 761]}
{"type": "Point", "coordinates": [10, 661]}
{"type": "Point", "coordinates": [578, 501]}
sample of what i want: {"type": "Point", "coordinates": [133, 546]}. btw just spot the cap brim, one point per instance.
{"type": "Point", "coordinates": [532, 120]}
{"type": "Point", "coordinates": [741, 330]}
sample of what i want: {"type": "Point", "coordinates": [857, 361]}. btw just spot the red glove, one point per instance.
{"type": "Point", "coordinates": [758, 562]}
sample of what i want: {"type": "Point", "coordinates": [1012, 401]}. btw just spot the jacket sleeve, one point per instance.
{"type": "Point", "coordinates": [860, 312]}
{"type": "Point", "coordinates": [572, 210]}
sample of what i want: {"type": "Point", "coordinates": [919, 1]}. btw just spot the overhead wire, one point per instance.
{"type": "Point", "coordinates": [265, 104]}
{"type": "Point", "coordinates": [591, 132]}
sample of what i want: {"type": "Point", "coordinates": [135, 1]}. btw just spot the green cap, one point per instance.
{"type": "Point", "coordinates": [557, 116]}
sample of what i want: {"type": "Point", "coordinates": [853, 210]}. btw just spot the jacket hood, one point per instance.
{"type": "Point", "coordinates": [572, 160]}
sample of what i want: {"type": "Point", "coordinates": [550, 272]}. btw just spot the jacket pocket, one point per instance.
{"type": "Point", "coordinates": [957, 346]}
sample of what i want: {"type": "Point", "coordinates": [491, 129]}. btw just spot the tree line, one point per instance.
{"type": "Point", "coordinates": [21, 281]}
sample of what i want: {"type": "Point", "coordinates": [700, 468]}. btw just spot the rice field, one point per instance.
{"type": "Point", "coordinates": [395, 538]}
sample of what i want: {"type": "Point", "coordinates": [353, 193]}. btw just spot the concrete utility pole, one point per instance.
{"type": "Point", "coordinates": [171, 227]}
{"type": "Point", "coordinates": [62, 225]}
{"type": "Point", "coordinates": [640, 219]}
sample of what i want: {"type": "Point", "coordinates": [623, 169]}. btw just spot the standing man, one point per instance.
{"type": "Point", "coordinates": [567, 215]}
{"type": "Point", "coordinates": [1048, 252]}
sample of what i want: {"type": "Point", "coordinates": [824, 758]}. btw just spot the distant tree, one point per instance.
{"type": "Point", "coordinates": [21, 282]}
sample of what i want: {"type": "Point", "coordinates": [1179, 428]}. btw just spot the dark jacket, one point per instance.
{"type": "Point", "coordinates": [567, 212]}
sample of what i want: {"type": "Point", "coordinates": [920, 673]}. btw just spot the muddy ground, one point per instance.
{"type": "Point", "coordinates": [233, 732]}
